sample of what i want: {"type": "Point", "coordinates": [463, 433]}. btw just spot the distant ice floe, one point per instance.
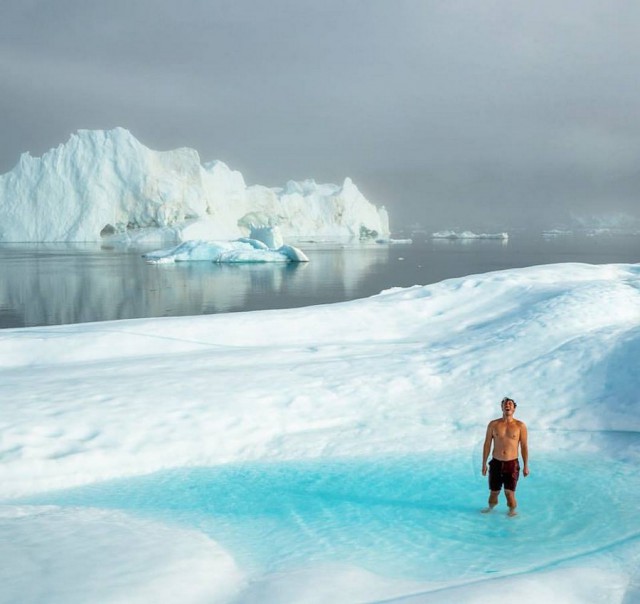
{"type": "Point", "coordinates": [469, 235]}
{"type": "Point", "coordinates": [590, 232]}
{"type": "Point", "coordinates": [553, 233]}
{"type": "Point", "coordinates": [392, 241]}
{"type": "Point", "coordinates": [609, 232]}
{"type": "Point", "coordinates": [606, 223]}
{"type": "Point", "coordinates": [609, 224]}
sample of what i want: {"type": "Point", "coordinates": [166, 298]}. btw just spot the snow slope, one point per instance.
{"type": "Point", "coordinates": [106, 183]}
{"type": "Point", "coordinates": [410, 371]}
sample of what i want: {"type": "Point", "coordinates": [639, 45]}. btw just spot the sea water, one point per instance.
{"type": "Point", "coordinates": [52, 284]}
{"type": "Point", "coordinates": [412, 517]}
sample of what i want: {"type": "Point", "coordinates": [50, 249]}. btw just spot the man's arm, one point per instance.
{"type": "Point", "coordinates": [524, 448]}
{"type": "Point", "coordinates": [487, 448]}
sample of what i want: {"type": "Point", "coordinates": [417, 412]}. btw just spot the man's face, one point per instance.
{"type": "Point", "coordinates": [508, 407]}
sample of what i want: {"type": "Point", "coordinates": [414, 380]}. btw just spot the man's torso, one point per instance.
{"type": "Point", "coordinates": [506, 438]}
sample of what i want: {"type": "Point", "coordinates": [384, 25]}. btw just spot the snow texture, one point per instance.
{"type": "Point", "coordinates": [107, 184]}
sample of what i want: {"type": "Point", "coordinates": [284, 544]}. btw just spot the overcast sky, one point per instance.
{"type": "Point", "coordinates": [450, 113]}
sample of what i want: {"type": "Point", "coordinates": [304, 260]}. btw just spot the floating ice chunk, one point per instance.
{"type": "Point", "coordinates": [187, 252]}
{"type": "Point", "coordinates": [239, 251]}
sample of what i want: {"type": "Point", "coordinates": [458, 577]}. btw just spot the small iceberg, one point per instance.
{"type": "Point", "coordinates": [243, 250]}
{"type": "Point", "coordinates": [469, 235]}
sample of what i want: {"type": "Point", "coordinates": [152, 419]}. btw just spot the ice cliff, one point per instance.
{"type": "Point", "coordinates": [107, 184]}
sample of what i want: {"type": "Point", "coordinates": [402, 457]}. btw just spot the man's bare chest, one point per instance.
{"type": "Point", "coordinates": [506, 432]}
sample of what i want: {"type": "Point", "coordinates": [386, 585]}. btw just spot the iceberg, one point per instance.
{"type": "Point", "coordinates": [106, 184]}
{"type": "Point", "coordinates": [275, 456]}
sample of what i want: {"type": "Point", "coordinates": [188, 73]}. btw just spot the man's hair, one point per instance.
{"type": "Point", "coordinates": [508, 398]}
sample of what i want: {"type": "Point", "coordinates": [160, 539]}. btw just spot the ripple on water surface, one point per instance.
{"type": "Point", "coordinates": [414, 517]}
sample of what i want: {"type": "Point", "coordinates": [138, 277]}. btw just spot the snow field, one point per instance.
{"type": "Point", "coordinates": [411, 371]}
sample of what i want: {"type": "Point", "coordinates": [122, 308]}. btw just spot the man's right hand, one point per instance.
{"type": "Point", "coordinates": [484, 470]}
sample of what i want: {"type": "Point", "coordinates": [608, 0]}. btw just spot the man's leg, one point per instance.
{"type": "Point", "coordinates": [511, 501]}
{"type": "Point", "coordinates": [493, 501]}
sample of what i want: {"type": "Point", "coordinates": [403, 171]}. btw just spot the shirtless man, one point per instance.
{"type": "Point", "coordinates": [507, 434]}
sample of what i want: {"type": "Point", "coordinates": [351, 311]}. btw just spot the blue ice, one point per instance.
{"type": "Point", "coordinates": [411, 517]}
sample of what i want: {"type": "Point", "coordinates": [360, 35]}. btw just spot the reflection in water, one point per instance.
{"type": "Point", "coordinates": [55, 284]}
{"type": "Point", "coordinates": [214, 288]}
{"type": "Point", "coordinates": [60, 284]}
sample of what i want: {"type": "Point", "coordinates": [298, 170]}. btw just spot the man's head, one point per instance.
{"type": "Point", "coordinates": [508, 404]}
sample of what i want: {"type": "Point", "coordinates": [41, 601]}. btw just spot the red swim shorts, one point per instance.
{"type": "Point", "coordinates": [503, 474]}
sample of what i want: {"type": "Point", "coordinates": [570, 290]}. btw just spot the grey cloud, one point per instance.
{"type": "Point", "coordinates": [443, 111]}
